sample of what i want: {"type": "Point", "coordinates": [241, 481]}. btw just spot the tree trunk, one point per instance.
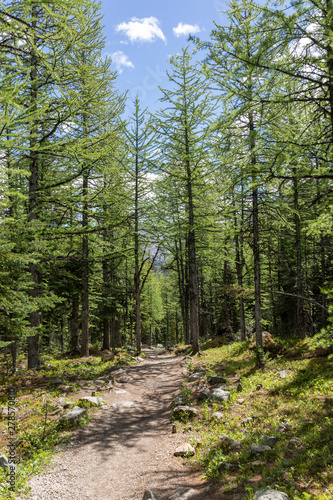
{"type": "Point", "coordinates": [33, 352]}
{"type": "Point", "coordinates": [300, 320]}
{"type": "Point", "coordinates": [255, 229]}
{"type": "Point", "coordinates": [193, 279]}
{"type": "Point", "coordinates": [74, 323]}
{"type": "Point", "coordinates": [85, 337]}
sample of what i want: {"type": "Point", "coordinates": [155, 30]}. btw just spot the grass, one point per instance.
{"type": "Point", "coordinates": [301, 463]}
{"type": "Point", "coordinates": [38, 430]}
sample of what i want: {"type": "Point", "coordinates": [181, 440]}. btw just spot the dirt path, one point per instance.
{"type": "Point", "coordinates": [124, 451]}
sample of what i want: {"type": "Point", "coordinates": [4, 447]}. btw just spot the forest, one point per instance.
{"type": "Point", "coordinates": [211, 216]}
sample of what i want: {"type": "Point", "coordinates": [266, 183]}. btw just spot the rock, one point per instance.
{"type": "Point", "coordinates": [188, 357]}
{"type": "Point", "coordinates": [149, 495]}
{"type": "Point", "coordinates": [222, 466]}
{"type": "Point", "coordinates": [196, 376]}
{"type": "Point", "coordinates": [218, 415]}
{"type": "Point", "coordinates": [219, 394]}
{"type": "Point", "coordinates": [247, 420]}
{"type": "Point", "coordinates": [123, 404]}
{"type": "Point", "coordinates": [268, 494]}
{"type": "Point", "coordinates": [188, 410]}
{"type": "Point", "coordinates": [271, 440]}
{"type": "Point", "coordinates": [140, 359]}
{"type": "Point", "coordinates": [295, 443]}
{"type": "Point", "coordinates": [239, 387]}
{"type": "Point", "coordinates": [257, 463]}
{"type": "Point", "coordinates": [283, 374]}
{"type": "Point", "coordinates": [4, 462]}
{"type": "Point", "coordinates": [283, 427]}
{"type": "Point", "coordinates": [203, 394]}
{"type": "Point", "coordinates": [241, 401]}
{"type": "Point", "coordinates": [75, 414]}
{"type": "Point", "coordinates": [184, 449]}
{"type": "Point", "coordinates": [121, 391]}
{"type": "Point", "coordinates": [92, 400]}
{"type": "Point", "coordinates": [231, 443]}
{"type": "Point", "coordinates": [57, 381]}
{"type": "Point", "coordinates": [215, 379]}
{"type": "Point", "coordinates": [108, 357]}
{"type": "Point", "coordinates": [260, 448]}
{"type": "Point", "coordinates": [183, 494]}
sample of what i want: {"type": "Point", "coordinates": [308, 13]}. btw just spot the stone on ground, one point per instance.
{"type": "Point", "coordinates": [232, 444]}
{"type": "Point", "coordinates": [196, 376]}
{"type": "Point", "coordinates": [215, 379]}
{"type": "Point", "coordinates": [184, 449]}
{"type": "Point", "coordinates": [149, 495]}
{"type": "Point", "coordinates": [92, 400]}
{"type": "Point", "coordinates": [268, 494]}
{"type": "Point", "coordinates": [188, 410]}
{"type": "Point", "coordinates": [260, 448]}
{"type": "Point", "coordinates": [183, 494]}
{"type": "Point", "coordinates": [75, 414]}
{"type": "Point", "coordinates": [219, 394]}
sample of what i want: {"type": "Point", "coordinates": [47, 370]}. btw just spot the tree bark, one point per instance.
{"type": "Point", "coordinates": [255, 229]}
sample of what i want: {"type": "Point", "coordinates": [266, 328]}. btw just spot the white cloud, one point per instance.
{"type": "Point", "coordinates": [142, 30]}
{"type": "Point", "coordinates": [121, 61]}
{"type": "Point", "coordinates": [185, 29]}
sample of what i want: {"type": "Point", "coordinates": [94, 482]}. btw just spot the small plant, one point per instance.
{"type": "Point", "coordinates": [185, 395]}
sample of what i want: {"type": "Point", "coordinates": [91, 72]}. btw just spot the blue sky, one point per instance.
{"type": "Point", "coordinates": [141, 35]}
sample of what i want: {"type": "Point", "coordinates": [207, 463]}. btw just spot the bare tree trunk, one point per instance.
{"type": "Point", "coordinates": [300, 319]}
{"type": "Point", "coordinates": [239, 236]}
{"type": "Point", "coordinates": [193, 279]}
{"type": "Point", "coordinates": [85, 337]}
{"type": "Point", "coordinates": [74, 323]}
{"type": "Point", "coordinates": [35, 319]}
{"type": "Point", "coordinates": [255, 229]}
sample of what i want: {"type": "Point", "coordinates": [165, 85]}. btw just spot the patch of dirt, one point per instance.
{"type": "Point", "coordinates": [124, 451]}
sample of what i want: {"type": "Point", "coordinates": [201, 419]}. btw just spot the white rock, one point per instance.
{"type": "Point", "coordinates": [183, 494]}
{"type": "Point", "coordinates": [93, 400]}
{"type": "Point", "coordinates": [184, 449]}
{"type": "Point", "coordinates": [75, 414]}
{"type": "Point", "coordinates": [219, 394]}
{"type": "Point", "coordinates": [123, 404]}
{"type": "Point", "coordinates": [268, 494]}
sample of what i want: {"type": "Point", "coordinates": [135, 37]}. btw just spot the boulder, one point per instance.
{"type": "Point", "coordinates": [268, 494]}
{"type": "Point", "coordinates": [57, 381]}
{"type": "Point", "coordinates": [185, 410]}
{"type": "Point", "coordinates": [184, 449]}
{"type": "Point", "coordinates": [260, 448]}
{"type": "Point", "coordinates": [108, 357]}
{"type": "Point", "coordinates": [4, 462]}
{"type": "Point", "coordinates": [215, 379]}
{"type": "Point", "coordinates": [75, 414]}
{"type": "Point", "coordinates": [196, 376]}
{"type": "Point", "coordinates": [222, 466]}
{"type": "Point", "coordinates": [149, 495]}
{"type": "Point", "coordinates": [123, 404]}
{"type": "Point", "coordinates": [92, 400]}
{"type": "Point", "coordinates": [203, 394]}
{"type": "Point", "coordinates": [219, 394]}
{"type": "Point", "coordinates": [218, 415]}
{"type": "Point", "coordinates": [231, 443]}
{"type": "Point", "coordinates": [271, 440]}
{"type": "Point", "coordinates": [183, 493]}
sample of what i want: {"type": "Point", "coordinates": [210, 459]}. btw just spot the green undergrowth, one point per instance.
{"type": "Point", "coordinates": [38, 428]}
{"type": "Point", "coordinates": [296, 393]}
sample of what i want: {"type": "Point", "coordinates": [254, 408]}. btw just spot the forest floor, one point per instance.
{"type": "Point", "coordinates": [124, 451]}
{"type": "Point", "coordinates": [127, 446]}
